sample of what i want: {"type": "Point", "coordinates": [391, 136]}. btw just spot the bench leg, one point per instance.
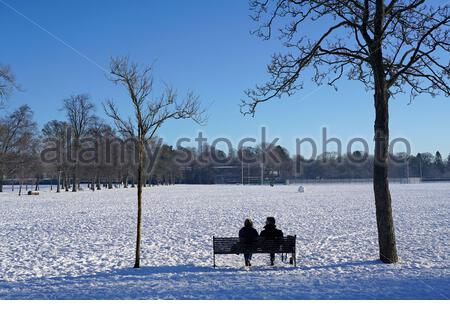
{"type": "Point", "coordinates": [214, 261]}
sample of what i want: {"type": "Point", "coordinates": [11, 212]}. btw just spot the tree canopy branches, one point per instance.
{"type": "Point", "coordinates": [17, 140]}
{"type": "Point", "coordinates": [7, 83]}
{"type": "Point", "coordinates": [411, 36]}
{"type": "Point", "coordinates": [150, 113]}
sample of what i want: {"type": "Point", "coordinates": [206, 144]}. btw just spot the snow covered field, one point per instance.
{"type": "Point", "coordinates": [80, 246]}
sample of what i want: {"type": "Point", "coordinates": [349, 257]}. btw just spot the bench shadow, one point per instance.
{"type": "Point", "coordinates": [177, 269]}
{"type": "Point", "coordinates": [347, 264]}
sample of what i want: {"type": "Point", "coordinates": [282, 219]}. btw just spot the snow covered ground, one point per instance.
{"type": "Point", "coordinates": [80, 245]}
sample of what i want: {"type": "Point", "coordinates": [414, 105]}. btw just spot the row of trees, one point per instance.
{"type": "Point", "coordinates": [84, 148]}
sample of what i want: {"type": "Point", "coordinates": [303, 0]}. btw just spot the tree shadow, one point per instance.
{"type": "Point", "coordinates": [154, 270]}
{"type": "Point", "coordinates": [130, 274]}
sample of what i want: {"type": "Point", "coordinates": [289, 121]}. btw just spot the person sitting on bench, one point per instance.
{"type": "Point", "coordinates": [271, 232]}
{"type": "Point", "coordinates": [248, 234]}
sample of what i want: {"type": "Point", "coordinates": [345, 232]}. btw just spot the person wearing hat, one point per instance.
{"type": "Point", "coordinates": [248, 234]}
{"type": "Point", "coordinates": [271, 232]}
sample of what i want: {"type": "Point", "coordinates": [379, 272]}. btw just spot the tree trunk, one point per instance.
{"type": "Point", "coordinates": [98, 185]}
{"type": "Point", "coordinates": [74, 182]}
{"type": "Point", "coordinates": [385, 221]}
{"type": "Point", "coordinates": [139, 203]}
{"type": "Point", "coordinates": [1, 181]}
{"type": "Point", "coordinates": [58, 186]}
{"type": "Point", "coordinates": [66, 183]}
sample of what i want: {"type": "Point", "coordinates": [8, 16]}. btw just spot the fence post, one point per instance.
{"type": "Point", "coordinates": [295, 251]}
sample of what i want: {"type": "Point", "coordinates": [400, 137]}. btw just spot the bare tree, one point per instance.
{"type": "Point", "coordinates": [79, 111]}
{"type": "Point", "coordinates": [7, 83]}
{"type": "Point", "coordinates": [149, 115]}
{"type": "Point", "coordinates": [390, 46]}
{"type": "Point", "coordinates": [55, 133]}
{"type": "Point", "coordinates": [102, 134]}
{"type": "Point", "coordinates": [17, 141]}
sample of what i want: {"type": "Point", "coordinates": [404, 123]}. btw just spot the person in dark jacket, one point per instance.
{"type": "Point", "coordinates": [271, 232]}
{"type": "Point", "coordinates": [248, 234]}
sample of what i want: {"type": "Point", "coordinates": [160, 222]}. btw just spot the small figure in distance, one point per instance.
{"type": "Point", "coordinates": [271, 232]}
{"type": "Point", "coordinates": [248, 234]}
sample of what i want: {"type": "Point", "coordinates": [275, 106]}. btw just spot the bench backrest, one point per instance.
{"type": "Point", "coordinates": [259, 245]}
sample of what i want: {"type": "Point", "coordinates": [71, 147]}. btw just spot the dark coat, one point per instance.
{"type": "Point", "coordinates": [270, 232]}
{"type": "Point", "coordinates": [248, 233]}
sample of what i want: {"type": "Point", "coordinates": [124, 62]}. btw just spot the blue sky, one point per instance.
{"type": "Point", "coordinates": [201, 45]}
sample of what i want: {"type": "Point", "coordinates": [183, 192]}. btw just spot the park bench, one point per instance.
{"type": "Point", "coordinates": [283, 245]}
